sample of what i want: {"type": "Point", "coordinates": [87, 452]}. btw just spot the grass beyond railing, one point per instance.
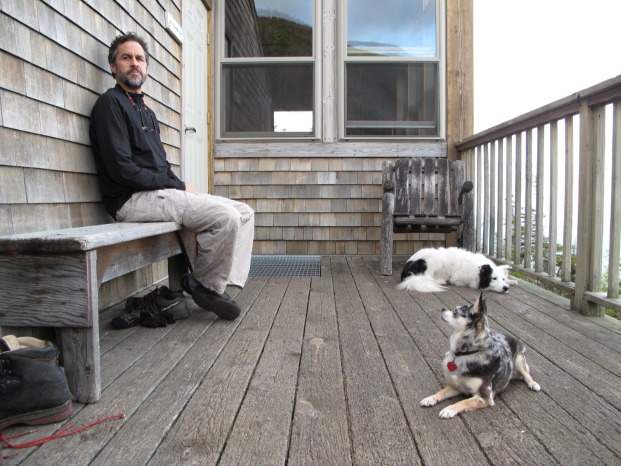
{"type": "Point", "coordinates": [548, 194]}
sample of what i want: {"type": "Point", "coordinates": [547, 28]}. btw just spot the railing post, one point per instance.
{"type": "Point", "coordinates": [590, 193]}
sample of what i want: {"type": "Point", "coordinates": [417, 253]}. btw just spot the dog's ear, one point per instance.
{"type": "Point", "coordinates": [482, 304]}
{"type": "Point", "coordinates": [480, 307]}
{"type": "Point", "coordinates": [480, 314]}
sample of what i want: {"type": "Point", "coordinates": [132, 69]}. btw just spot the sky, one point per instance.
{"type": "Point", "coordinates": [528, 53]}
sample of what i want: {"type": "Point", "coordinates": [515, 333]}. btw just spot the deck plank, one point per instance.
{"type": "Point", "coordinates": [320, 430]}
{"type": "Point", "coordinates": [260, 434]}
{"type": "Point", "coordinates": [331, 370]}
{"type": "Point", "coordinates": [379, 430]}
{"type": "Point", "coordinates": [201, 432]}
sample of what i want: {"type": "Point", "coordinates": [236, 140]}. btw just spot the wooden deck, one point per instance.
{"type": "Point", "coordinates": [331, 370]}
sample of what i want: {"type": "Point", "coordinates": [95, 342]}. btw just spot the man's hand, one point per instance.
{"type": "Point", "coordinates": [189, 188]}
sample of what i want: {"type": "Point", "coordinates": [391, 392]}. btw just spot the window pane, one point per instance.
{"type": "Point", "coordinates": [398, 28]}
{"type": "Point", "coordinates": [275, 99]}
{"type": "Point", "coordinates": [269, 28]}
{"type": "Point", "coordinates": [391, 99]}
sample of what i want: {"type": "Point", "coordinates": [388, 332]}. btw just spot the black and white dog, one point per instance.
{"type": "Point", "coordinates": [430, 269]}
{"type": "Point", "coordinates": [480, 362]}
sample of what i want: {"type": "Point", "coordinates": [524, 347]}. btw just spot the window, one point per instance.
{"type": "Point", "coordinates": [388, 83]}
{"type": "Point", "coordinates": [268, 69]}
{"type": "Point", "coordinates": [391, 70]}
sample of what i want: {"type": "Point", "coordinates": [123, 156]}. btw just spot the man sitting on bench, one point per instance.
{"type": "Point", "coordinates": [138, 185]}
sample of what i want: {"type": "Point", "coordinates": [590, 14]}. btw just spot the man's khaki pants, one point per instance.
{"type": "Point", "coordinates": [224, 230]}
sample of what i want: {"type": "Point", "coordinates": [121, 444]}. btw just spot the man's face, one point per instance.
{"type": "Point", "coordinates": [130, 66]}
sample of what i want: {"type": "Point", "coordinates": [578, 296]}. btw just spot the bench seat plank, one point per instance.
{"type": "Point", "coordinates": [83, 238]}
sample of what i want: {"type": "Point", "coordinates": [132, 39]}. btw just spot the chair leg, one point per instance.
{"type": "Point", "coordinates": [388, 208]}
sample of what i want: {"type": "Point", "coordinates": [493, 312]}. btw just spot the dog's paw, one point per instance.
{"type": "Point", "coordinates": [429, 401]}
{"type": "Point", "coordinates": [534, 386]}
{"type": "Point", "coordinates": [448, 413]}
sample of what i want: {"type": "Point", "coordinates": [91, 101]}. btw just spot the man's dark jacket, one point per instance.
{"type": "Point", "coordinates": [129, 154]}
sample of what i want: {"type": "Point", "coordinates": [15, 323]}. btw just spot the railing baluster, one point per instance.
{"type": "Point", "coordinates": [491, 197]}
{"type": "Point", "coordinates": [615, 207]}
{"type": "Point", "coordinates": [485, 200]}
{"type": "Point", "coordinates": [540, 194]}
{"type": "Point", "coordinates": [517, 214]}
{"type": "Point", "coordinates": [528, 201]}
{"type": "Point", "coordinates": [501, 188]}
{"type": "Point", "coordinates": [553, 197]}
{"type": "Point", "coordinates": [480, 198]}
{"type": "Point", "coordinates": [509, 198]}
{"type": "Point", "coordinates": [568, 220]}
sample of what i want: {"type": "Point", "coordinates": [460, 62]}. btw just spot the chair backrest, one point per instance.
{"type": "Point", "coordinates": [427, 186]}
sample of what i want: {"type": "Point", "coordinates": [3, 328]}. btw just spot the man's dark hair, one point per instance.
{"type": "Point", "coordinates": [127, 37]}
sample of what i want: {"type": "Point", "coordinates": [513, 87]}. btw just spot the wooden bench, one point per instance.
{"type": "Point", "coordinates": [52, 279]}
{"type": "Point", "coordinates": [425, 195]}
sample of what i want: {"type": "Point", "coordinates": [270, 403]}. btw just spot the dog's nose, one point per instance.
{"type": "Point", "coordinates": [505, 288]}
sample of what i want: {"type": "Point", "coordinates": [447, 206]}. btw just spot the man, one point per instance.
{"type": "Point", "coordinates": [138, 185]}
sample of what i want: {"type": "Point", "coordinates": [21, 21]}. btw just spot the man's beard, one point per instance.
{"type": "Point", "coordinates": [133, 82]}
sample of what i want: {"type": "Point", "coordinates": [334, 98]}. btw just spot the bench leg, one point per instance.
{"type": "Point", "coordinates": [81, 358]}
{"type": "Point", "coordinates": [80, 345]}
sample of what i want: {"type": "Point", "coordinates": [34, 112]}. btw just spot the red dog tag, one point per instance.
{"type": "Point", "coordinates": [451, 366]}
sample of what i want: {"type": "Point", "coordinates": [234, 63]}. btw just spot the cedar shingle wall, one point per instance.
{"type": "Point", "coordinates": [314, 205]}
{"type": "Point", "coordinates": [53, 65]}
{"type": "Point", "coordinates": [53, 57]}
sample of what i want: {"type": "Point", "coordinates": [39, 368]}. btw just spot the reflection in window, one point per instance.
{"type": "Point", "coordinates": [398, 28]}
{"type": "Point", "coordinates": [255, 94]}
{"type": "Point", "coordinates": [293, 122]}
{"type": "Point", "coordinates": [391, 69]}
{"type": "Point", "coordinates": [271, 28]}
{"type": "Point", "coordinates": [268, 72]}
{"type": "Point", "coordinates": [391, 99]}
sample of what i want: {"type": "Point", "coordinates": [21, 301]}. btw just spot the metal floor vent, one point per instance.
{"type": "Point", "coordinates": [285, 266]}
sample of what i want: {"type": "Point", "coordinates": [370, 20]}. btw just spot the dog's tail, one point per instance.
{"type": "Point", "coordinates": [422, 282]}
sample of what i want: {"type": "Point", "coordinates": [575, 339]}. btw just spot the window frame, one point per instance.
{"type": "Point", "coordinates": [329, 60]}
{"type": "Point", "coordinates": [222, 60]}
{"type": "Point", "coordinates": [440, 59]}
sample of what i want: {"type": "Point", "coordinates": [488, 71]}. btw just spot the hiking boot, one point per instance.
{"type": "Point", "coordinates": [33, 387]}
{"type": "Point", "coordinates": [155, 309]}
{"type": "Point", "coordinates": [220, 304]}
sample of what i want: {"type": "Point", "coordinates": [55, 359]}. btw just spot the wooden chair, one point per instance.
{"type": "Point", "coordinates": [425, 195]}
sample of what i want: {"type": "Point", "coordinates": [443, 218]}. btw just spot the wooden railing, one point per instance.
{"type": "Point", "coordinates": [548, 194]}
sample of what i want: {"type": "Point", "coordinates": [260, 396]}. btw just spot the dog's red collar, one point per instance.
{"type": "Point", "coordinates": [452, 366]}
